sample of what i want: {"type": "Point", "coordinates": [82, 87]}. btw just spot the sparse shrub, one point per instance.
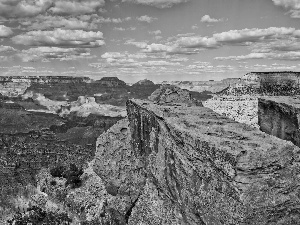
{"type": "Point", "coordinates": [72, 174]}
{"type": "Point", "coordinates": [57, 171]}
{"type": "Point", "coordinates": [37, 216]}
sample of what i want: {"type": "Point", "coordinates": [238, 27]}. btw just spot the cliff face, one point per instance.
{"type": "Point", "coordinates": [202, 168]}
{"type": "Point", "coordinates": [280, 116]}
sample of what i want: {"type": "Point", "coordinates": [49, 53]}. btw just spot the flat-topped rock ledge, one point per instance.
{"type": "Point", "coordinates": [213, 170]}
{"type": "Point", "coordinates": [280, 116]}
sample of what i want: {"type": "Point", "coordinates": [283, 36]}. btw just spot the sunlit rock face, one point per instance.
{"type": "Point", "coordinates": [280, 116]}
{"type": "Point", "coordinates": [242, 109]}
{"type": "Point", "coordinates": [197, 167]}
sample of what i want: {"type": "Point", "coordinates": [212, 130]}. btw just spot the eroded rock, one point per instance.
{"type": "Point", "coordinates": [170, 94]}
{"type": "Point", "coordinates": [214, 170]}
{"type": "Point", "coordinates": [118, 166]}
{"type": "Point", "coordinates": [280, 116]}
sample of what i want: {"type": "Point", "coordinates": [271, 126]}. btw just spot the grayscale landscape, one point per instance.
{"type": "Point", "coordinates": [149, 112]}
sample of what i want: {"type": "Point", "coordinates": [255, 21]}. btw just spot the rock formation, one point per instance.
{"type": "Point", "coordinates": [199, 168]}
{"type": "Point", "coordinates": [170, 94]}
{"type": "Point", "coordinates": [240, 101]}
{"type": "Point", "coordinates": [144, 82]}
{"type": "Point", "coordinates": [280, 116]}
{"type": "Point", "coordinates": [111, 82]}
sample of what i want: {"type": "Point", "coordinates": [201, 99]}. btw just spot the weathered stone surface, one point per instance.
{"type": "Point", "coordinates": [154, 207]}
{"type": "Point", "coordinates": [214, 170]}
{"type": "Point", "coordinates": [170, 94]}
{"type": "Point", "coordinates": [280, 116]}
{"type": "Point", "coordinates": [119, 168]}
{"type": "Point", "coordinates": [242, 109]}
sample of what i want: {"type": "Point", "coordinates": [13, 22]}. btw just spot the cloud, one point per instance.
{"type": "Point", "coordinates": [29, 8]}
{"type": "Point", "coordinates": [25, 8]}
{"type": "Point", "coordinates": [208, 19]}
{"type": "Point", "coordinates": [5, 31]}
{"type": "Point", "coordinates": [155, 32]}
{"type": "Point", "coordinates": [237, 37]}
{"type": "Point", "coordinates": [5, 58]}
{"type": "Point", "coordinates": [60, 37]}
{"type": "Point", "coordinates": [289, 56]}
{"type": "Point", "coordinates": [157, 3]}
{"type": "Point", "coordinates": [146, 18]}
{"type": "Point", "coordinates": [43, 22]}
{"type": "Point", "coordinates": [76, 7]}
{"type": "Point", "coordinates": [243, 57]}
{"type": "Point", "coordinates": [292, 5]}
{"type": "Point", "coordinates": [124, 29]}
{"type": "Point", "coordinates": [51, 53]}
{"type": "Point", "coordinates": [114, 55]}
{"type": "Point", "coordinates": [7, 49]}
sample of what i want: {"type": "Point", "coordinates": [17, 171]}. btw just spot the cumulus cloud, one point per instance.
{"type": "Point", "coordinates": [155, 32]}
{"type": "Point", "coordinates": [16, 8]}
{"type": "Point", "coordinates": [51, 53]}
{"type": "Point", "coordinates": [236, 37]}
{"type": "Point", "coordinates": [60, 37]}
{"type": "Point", "coordinates": [43, 22]}
{"type": "Point", "coordinates": [208, 19]}
{"type": "Point", "coordinates": [28, 8]}
{"type": "Point", "coordinates": [157, 3]}
{"type": "Point", "coordinates": [7, 49]}
{"type": "Point", "coordinates": [292, 5]}
{"type": "Point", "coordinates": [146, 18]}
{"type": "Point", "coordinates": [5, 31]}
{"type": "Point", "coordinates": [76, 7]}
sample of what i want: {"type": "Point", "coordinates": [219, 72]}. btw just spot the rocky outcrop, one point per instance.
{"type": "Point", "coordinates": [120, 169]}
{"type": "Point", "coordinates": [144, 82]}
{"type": "Point", "coordinates": [199, 168]}
{"type": "Point", "coordinates": [111, 82]}
{"type": "Point", "coordinates": [170, 94]}
{"type": "Point", "coordinates": [280, 116]}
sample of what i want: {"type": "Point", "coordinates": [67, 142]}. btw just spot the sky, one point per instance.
{"type": "Point", "coordinates": [149, 39]}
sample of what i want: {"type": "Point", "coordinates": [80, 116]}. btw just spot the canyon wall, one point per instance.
{"type": "Point", "coordinates": [194, 166]}
{"type": "Point", "coordinates": [280, 116]}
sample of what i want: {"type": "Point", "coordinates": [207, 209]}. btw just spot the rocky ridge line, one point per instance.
{"type": "Point", "coordinates": [199, 167]}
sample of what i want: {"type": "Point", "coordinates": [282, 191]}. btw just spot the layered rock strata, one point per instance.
{"type": "Point", "coordinates": [197, 167]}
{"type": "Point", "coordinates": [280, 116]}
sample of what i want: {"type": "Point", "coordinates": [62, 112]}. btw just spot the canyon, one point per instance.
{"type": "Point", "coordinates": [167, 160]}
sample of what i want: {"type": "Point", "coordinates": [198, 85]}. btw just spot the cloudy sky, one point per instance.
{"type": "Point", "coordinates": [154, 39]}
